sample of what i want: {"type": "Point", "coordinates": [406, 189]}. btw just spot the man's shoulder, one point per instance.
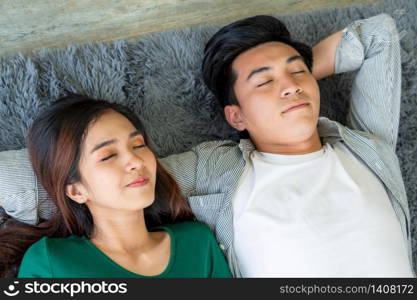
{"type": "Point", "coordinates": [216, 145]}
{"type": "Point", "coordinates": [332, 129]}
{"type": "Point", "coordinates": [205, 151]}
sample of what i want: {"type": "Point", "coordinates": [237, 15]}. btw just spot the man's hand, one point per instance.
{"type": "Point", "coordinates": [324, 54]}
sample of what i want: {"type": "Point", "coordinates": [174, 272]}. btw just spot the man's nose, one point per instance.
{"type": "Point", "coordinates": [290, 88]}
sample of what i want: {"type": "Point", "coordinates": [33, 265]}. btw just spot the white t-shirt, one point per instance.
{"type": "Point", "coordinates": [322, 214]}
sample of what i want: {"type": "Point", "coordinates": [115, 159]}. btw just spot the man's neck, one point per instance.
{"type": "Point", "coordinates": [312, 144]}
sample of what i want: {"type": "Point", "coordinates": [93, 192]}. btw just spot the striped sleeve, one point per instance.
{"type": "Point", "coordinates": [183, 168]}
{"type": "Point", "coordinates": [371, 46]}
{"type": "Point", "coordinates": [21, 194]}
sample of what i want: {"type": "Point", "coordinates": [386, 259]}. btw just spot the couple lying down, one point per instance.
{"type": "Point", "coordinates": [299, 196]}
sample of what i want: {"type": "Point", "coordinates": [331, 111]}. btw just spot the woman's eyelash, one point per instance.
{"type": "Point", "coordinates": [114, 154]}
{"type": "Point", "coordinates": [107, 157]}
{"type": "Point", "coordinates": [266, 82]}
{"type": "Point", "coordinates": [301, 71]}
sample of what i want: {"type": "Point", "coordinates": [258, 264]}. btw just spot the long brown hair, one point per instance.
{"type": "Point", "coordinates": [54, 144]}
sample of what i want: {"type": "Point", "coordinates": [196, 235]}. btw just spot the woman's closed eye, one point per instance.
{"type": "Point", "coordinates": [264, 83]}
{"type": "Point", "coordinates": [114, 154]}
{"type": "Point", "coordinates": [298, 72]}
{"type": "Point", "coordinates": [108, 157]}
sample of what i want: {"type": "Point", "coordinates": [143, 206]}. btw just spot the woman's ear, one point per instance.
{"type": "Point", "coordinates": [233, 116]}
{"type": "Point", "coordinates": [74, 191]}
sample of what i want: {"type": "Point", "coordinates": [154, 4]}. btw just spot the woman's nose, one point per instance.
{"type": "Point", "coordinates": [135, 162]}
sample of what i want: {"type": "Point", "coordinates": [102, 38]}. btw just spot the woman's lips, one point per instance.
{"type": "Point", "coordinates": [295, 107]}
{"type": "Point", "coordinates": [139, 182]}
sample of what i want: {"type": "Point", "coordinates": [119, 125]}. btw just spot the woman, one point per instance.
{"type": "Point", "coordinates": [120, 214]}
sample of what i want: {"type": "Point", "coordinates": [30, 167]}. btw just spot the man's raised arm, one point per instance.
{"type": "Point", "coordinates": [370, 46]}
{"type": "Point", "coordinates": [324, 55]}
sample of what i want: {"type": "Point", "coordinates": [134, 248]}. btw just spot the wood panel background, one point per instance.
{"type": "Point", "coordinates": [27, 25]}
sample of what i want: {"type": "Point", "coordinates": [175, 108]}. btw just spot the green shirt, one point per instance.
{"type": "Point", "coordinates": [194, 253]}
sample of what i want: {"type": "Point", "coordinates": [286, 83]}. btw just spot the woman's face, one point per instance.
{"type": "Point", "coordinates": [118, 171]}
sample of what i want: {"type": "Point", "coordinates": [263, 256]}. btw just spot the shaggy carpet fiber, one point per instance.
{"type": "Point", "coordinates": [158, 76]}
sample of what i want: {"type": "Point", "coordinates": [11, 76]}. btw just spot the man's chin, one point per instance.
{"type": "Point", "coordinates": [300, 133]}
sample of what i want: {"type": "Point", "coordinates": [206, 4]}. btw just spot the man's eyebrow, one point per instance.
{"type": "Point", "coordinates": [259, 70]}
{"type": "Point", "coordinates": [263, 69]}
{"type": "Point", "coordinates": [294, 58]}
{"type": "Point", "coordinates": [112, 141]}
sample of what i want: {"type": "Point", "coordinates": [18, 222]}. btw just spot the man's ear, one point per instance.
{"type": "Point", "coordinates": [234, 117]}
{"type": "Point", "coordinates": [74, 191]}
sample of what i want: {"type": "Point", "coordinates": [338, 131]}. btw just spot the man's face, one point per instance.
{"type": "Point", "coordinates": [279, 99]}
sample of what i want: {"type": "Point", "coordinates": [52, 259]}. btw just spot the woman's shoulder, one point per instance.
{"type": "Point", "coordinates": [46, 245]}
{"type": "Point", "coordinates": [195, 233]}
{"type": "Point", "coordinates": [42, 255]}
{"type": "Point", "coordinates": [189, 227]}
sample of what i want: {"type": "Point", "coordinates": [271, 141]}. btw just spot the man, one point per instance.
{"type": "Point", "coordinates": [303, 196]}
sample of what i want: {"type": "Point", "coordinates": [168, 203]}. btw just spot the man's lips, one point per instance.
{"type": "Point", "coordinates": [295, 107]}
{"type": "Point", "coordinates": [139, 181]}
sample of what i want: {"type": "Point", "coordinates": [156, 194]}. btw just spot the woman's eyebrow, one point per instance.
{"type": "Point", "coordinates": [134, 134]}
{"type": "Point", "coordinates": [112, 141]}
{"type": "Point", "coordinates": [103, 144]}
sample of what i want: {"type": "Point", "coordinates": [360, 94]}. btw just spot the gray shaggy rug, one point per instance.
{"type": "Point", "coordinates": [158, 76]}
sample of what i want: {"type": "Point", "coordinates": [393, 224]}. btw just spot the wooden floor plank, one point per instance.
{"type": "Point", "coordinates": [35, 24]}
